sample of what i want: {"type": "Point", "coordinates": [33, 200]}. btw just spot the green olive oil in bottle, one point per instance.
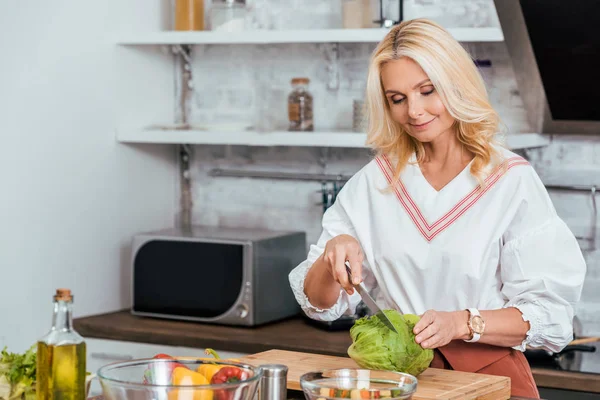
{"type": "Point", "coordinates": [61, 355]}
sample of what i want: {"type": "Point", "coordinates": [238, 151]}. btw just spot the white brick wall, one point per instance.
{"type": "Point", "coordinates": [259, 78]}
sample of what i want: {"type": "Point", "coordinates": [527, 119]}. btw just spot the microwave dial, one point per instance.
{"type": "Point", "coordinates": [242, 311]}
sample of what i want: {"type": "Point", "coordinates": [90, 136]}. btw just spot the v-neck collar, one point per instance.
{"type": "Point", "coordinates": [458, 178]}
{"type": "Point", "coordinates": [465, 193]}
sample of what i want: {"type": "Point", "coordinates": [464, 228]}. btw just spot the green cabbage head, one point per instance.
{"type": "Point", "coordinates": [374, 346]}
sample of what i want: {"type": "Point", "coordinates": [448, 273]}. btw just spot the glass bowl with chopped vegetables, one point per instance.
{"type": "Point", "coordinates": [179, 378]}
{"type": "Point", "coordinates": [349, 383]}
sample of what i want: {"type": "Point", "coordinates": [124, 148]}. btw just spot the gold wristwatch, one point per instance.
{"type": "Point", "coordinates": [476, 325]}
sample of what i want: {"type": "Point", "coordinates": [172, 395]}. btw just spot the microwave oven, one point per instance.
{"type": "Point", "coordinates": [230, 276]}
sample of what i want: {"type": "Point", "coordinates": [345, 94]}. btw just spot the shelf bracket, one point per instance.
{"type": "Point", "coordinates": [183, 90]}
{"type": "Point", "coordinates": [332, 57]}
{"type": "Point", "coordinates": [185, 155]}
{"type": "Point", "coordinates": [183, 81]}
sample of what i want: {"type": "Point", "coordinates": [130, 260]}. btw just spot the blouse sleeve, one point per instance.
{"type": "Point", "coordinates": [542, 267]}
{"type": "Point", "coordinates": [335, 222]}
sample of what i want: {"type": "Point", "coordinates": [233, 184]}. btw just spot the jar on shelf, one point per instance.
{"type": "Point", "coordinates": [228, 15]}
{"type": "Point", "coordinates": [300, 106]}
{"type": "Point", "coordinates": [358, 14]}
{"type": "Point", "coordinates": [189, 15]}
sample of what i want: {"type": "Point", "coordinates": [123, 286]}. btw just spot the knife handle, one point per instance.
{"type": "Point", "coordinates": [349, 271]}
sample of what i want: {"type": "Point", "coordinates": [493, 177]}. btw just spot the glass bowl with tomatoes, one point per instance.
{"type": "Point", "coordinates": [179, 378]}
{"type": "Point", "coordinates": [351, 383]}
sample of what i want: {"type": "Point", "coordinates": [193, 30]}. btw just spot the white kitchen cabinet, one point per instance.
{"type": "Point", "coordinates": [101, 352]}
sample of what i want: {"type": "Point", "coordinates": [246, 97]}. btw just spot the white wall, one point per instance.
{"type": "Point", "coordinates": [71, 196]}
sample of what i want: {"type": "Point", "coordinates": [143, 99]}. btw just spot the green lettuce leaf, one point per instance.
{"type": "Point", "coordinates": [18, 371]}
{"type": "Point", "coordinates": [374, 346]}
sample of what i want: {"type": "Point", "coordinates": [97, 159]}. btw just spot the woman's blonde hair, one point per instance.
{"type": "Point", "coordinates": [456, 79]}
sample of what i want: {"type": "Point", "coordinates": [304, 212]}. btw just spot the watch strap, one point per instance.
{"type": "Point", "coordinates": [476, 336]}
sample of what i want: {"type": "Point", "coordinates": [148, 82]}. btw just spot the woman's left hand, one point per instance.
{"type": "Point", "coordinates": [437, 328]}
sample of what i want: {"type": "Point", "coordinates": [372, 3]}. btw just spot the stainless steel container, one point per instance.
{"type": "Point", "coordinates": [273, 384]}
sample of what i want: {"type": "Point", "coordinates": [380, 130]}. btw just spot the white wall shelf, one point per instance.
{"type": "Point", "coordinates": [283, 138]}
{"type": "Point", "coordinates": [244, 138]}
{"type": "Point", "coordinates": [292, 36]}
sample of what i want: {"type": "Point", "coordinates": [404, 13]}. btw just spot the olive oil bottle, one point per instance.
{"type": "Point", "coordinates": [61, 355]}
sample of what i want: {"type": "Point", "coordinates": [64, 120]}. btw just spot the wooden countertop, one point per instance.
{"type": "Point", "coordinates": [293, 334]}
{"type": "Point", "coordinates": [567, 380]}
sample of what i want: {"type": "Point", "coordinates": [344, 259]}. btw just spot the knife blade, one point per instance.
{"type": "Point", "coordinates": [369, 301]}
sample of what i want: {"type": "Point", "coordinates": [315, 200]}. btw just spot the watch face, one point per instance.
{"type": "Point", "coordinates": [477, 324]}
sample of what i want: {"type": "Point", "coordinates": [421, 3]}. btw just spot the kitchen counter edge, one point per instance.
{"type": "Point", "coordinates": [294, 334]}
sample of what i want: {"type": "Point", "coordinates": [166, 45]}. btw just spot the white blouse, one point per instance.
{"type": "Point", "coordinates": [456, 248]}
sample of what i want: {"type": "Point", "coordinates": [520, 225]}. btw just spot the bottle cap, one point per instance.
{"type": "Point", "coordinates": [63, 294]}
{"type": "Point", "coordinates": [274, 370]}
{"type": "Point", "coordinates": [296, 81]}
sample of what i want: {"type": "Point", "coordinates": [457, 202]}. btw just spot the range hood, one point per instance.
{"type": "Point", "coordinates": [555, 50]}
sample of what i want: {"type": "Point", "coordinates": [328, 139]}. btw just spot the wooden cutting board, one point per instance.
{"type": "Point", "coordinates": [433, 383]}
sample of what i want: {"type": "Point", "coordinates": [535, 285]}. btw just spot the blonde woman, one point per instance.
{"type": "Point", "coordinates": [444, 223]}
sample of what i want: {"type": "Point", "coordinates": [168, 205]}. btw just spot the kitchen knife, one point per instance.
{"type": "Point", "coordinates": [369, 302]}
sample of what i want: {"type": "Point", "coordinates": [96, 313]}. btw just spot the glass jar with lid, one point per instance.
{"type": "Point", "coordinates": [228, 15]}
{"type": "Point", "coordinates": [300, 106]}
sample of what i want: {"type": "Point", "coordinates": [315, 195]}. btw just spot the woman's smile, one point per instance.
{"type": "Point", "coordinates": [423, 126]}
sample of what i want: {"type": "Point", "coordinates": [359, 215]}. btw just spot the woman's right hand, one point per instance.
{"type": "Point", "coordinates": [337, 251]}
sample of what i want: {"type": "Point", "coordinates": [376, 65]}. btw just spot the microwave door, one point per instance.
{"type": "Point", "coordinates": [200, 280]}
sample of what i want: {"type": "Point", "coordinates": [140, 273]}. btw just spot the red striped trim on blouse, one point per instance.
{"type": "Point", "coordinates": [430, 231]}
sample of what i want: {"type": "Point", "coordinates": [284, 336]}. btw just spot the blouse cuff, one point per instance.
{"type": "Point", "coordinates": [534, 334]}
{"type": "Point", "coordinates": [304, 301]}
{"type": "Point", "coordinates": [297, 278]}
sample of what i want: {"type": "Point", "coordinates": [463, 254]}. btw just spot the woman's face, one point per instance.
{"type": "Point", "coordinates": [414, 102]}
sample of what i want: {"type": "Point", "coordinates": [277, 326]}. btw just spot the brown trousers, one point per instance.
{"type": "Point", "coordinates": [491, 360]}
